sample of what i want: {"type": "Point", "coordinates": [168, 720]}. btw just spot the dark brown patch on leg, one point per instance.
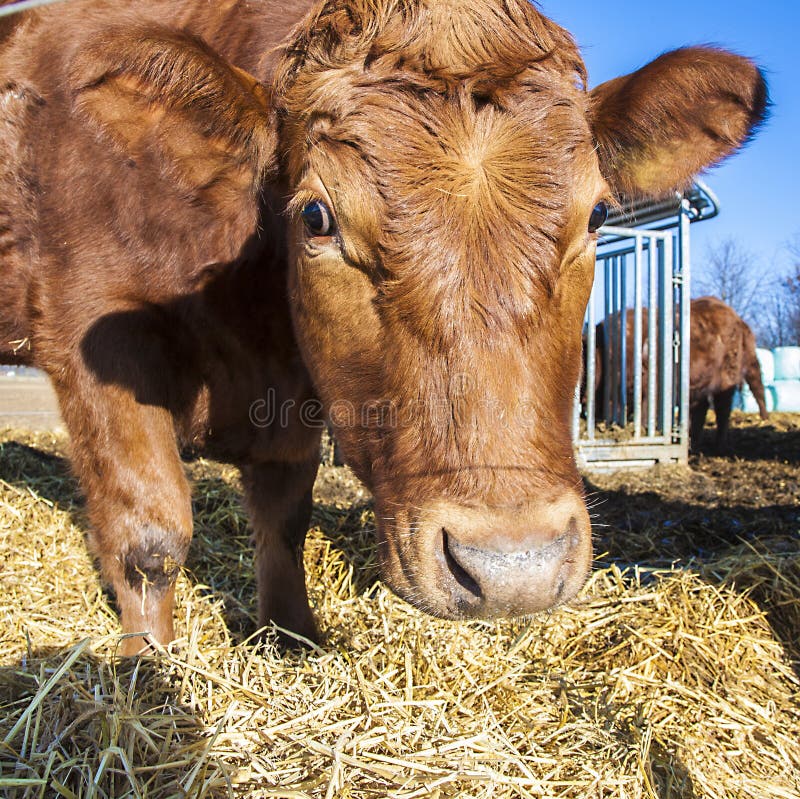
{"type": "Point", "coordinates": [155, 560]}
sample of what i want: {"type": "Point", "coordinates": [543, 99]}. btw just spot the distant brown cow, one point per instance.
{"type": "Point", "coordinates": [722, 357]}
{"type": "Point", "coordinates": [604, 348]}
{"type": "Point", "coordinates": [213, 213]}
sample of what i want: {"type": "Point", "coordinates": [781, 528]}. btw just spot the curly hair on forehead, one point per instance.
{"type": "Point", "coordinates": [483, 44]}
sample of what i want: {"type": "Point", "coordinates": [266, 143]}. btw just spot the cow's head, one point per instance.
{"type": "Point", "coordinates": [446, 172]}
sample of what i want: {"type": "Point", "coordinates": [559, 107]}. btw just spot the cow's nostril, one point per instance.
{"type": "Point", "coordinates": [461, 575]}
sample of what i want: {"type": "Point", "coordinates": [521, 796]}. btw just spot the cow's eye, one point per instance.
{"type": "Point", "coordinates": [598, 217]}
{"type": "Point", "coordinates": [318, 219]}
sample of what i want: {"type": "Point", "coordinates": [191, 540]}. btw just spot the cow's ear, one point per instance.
{"type": "Point", "coordinates": [159, 94]}
{"type": "Point", "coordinates": [658, 127]}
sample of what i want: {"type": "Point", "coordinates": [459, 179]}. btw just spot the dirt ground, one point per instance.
{"type": "Point", "coordinates": [754, 490]}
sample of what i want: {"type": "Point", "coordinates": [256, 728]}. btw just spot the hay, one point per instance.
{"type": "Point", "coordinates": [673, 675]}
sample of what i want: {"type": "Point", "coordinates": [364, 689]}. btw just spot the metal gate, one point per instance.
{"type": "Point", "coordinates": [632, 405]}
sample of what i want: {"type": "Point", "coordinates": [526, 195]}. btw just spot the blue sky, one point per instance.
{"type": "Point", "coordinates": [757, 187]}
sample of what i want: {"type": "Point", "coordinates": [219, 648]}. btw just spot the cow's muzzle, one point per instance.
{"type": "Point", "coordinates": [459, 562]}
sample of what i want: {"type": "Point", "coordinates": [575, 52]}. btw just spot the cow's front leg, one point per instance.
{"type": "Point", "coordinates": [278, 497]}
{"type": "Point", "coordinates": [138, 498]}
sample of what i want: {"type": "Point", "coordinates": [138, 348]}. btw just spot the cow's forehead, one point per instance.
{"type": "Point", "coordinates": [466, 164]}
{"type": "Point", "coordinates": [460, 141]}
{"type": "Point", "coordinates": [473, 198]}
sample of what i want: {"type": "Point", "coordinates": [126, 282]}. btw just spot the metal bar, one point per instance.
{"type": "Point", "coordinates": [642, 442]}
{"type": "Point", "coordinates": [686, 329]}
{"type": "Point", "coordinates": [25, 5]}
{"type": "Point", "coordinates": [652, 346]}
{"type": "Point", "coordinates": [617, 347]}
{"type": "Point", "coordinates": [702, 204]}
{"type": "Point", "coordinates": [637, 340]}
{"type": "Point", "coordinates": [632, 233]}
{"type": "Point", "coordinates": [623, 344]}
{"type": "Point", "coordinates": [629, 234]}
{"type": "Point", "coordinates": [607, 376]}
{"type": "Point", "coordinates": [667, 327]}
{"type": "Point", "coordinates": [591, 370]}
{"type": "Point", "coordinates": [612, 325]}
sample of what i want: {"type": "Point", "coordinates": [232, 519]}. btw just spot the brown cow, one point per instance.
{"type": "Point", "coordinates": [722, 357]}
{"type": "Point", "coordinates": [211, 208]}
{"type": "Point", "coordinates": [604, 348]}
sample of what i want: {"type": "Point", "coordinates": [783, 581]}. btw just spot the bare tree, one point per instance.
{"type": "Point", "coordinates": [776, 322]}
{"type": "Point", "coordinates": [792, 290]}
{"type": "Point", "coordinates": [778, 317]}
{"type": "Point", "coordinates": [730, 273]}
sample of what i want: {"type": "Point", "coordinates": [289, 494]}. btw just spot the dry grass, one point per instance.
{"type": "Point", "coordinates": [674, 675]}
